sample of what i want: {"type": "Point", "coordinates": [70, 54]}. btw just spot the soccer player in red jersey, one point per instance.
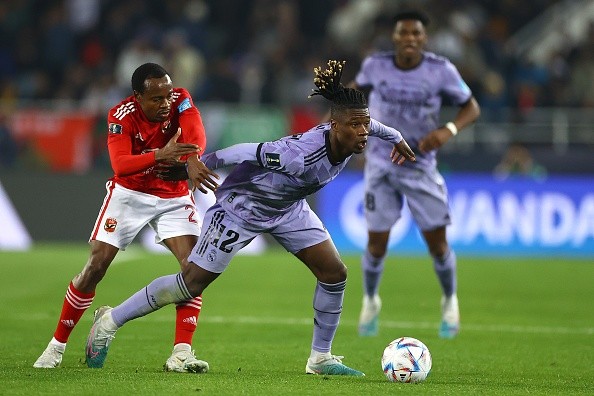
{"type": "Point", "coordinates": [155, 127]}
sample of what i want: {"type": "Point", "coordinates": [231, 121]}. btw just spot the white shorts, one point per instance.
{"type": "Point", "coordinates": [125, 212]}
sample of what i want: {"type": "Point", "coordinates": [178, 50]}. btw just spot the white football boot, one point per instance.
{"type": "Point", "coordinates": [183, 360]}
{"type": "Point", "coordinates": [450, 317]}
{"type": "Point", "coordinates": [368, 319]}
{"type": "Point", "coordinates": [50, 358]}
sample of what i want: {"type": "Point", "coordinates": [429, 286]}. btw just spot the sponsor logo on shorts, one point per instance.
{"type": "Point", "coordinates": [115, 129]}
{"type": "Point", "coordinates": [110, 224]}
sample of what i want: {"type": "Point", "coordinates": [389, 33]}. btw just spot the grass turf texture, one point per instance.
{"type": "Point", "coordinates": [527, 328]}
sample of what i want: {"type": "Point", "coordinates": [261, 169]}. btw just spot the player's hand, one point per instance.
{"type": "Point", "coordinates": [171, 172]}
{"type": "Point", "coordinates": [201, 177]}
{"type": "Point", "coordinates": [435, 139]}
{"type": "Point", "coordinates": [173, 151]}
{"type": "Point", "coordinates": [402, 152]}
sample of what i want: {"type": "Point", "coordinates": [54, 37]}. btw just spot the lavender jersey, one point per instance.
{"type": "Point", "coordinates": [272, 177]}
{"type": "Point", "coordinates": [409, 100]}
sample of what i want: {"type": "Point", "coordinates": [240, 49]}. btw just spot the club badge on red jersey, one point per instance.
{"type": "Point", "coordinates": [110, 224]}
{"type": "Point", "coordinates": [115, 129]}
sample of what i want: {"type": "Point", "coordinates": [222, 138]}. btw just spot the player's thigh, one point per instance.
{"type": "Point", "coordinates": [299, 228]}
{"type": "Point", "coordinates": [383, 203]}
{"type": "Point", "coordinates": [220, 239]}
{"type": "Point", "coordinates": [176, 217]}
{"type": "Point", "coordinates": [121, 217]}
{"type": "Point", "coordinates": [302, 233]}
{"type": "Point", "coordinates": [181, 246]}
{"type": "Point", "coordinates": [427, 199]}
{"type": "Point", "coordinates": [436, 241]}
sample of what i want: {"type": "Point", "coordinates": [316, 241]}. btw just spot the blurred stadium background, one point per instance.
{"type": "Point", "coordinates": [520, 178]}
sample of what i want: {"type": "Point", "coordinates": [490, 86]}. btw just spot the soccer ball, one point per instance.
{"type": "Point", "coordinates": [406, 359]}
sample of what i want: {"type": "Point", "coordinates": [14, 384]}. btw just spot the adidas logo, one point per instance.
{"type": "Point", "coordinates": [191, 319]}
{"type": "Point", "coordinates": [68, 322]}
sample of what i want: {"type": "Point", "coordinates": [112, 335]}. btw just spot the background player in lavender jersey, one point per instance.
{"type": "Point", "coordinates": [265, 193]}
{"type": "Point", "coordinates": [405, 89]}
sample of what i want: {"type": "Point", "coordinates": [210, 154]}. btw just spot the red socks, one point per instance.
{"type": "Point", "coordinates": [75, 304]}
{"type": "Point", "coordinates": [186, 320]}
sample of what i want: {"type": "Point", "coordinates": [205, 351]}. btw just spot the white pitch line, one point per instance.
{"type": "Point", "coordinates": [256, 320]}
{"type": "Point", "coordinates": [263, 320]}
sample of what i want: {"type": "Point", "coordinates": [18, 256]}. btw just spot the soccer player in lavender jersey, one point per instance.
{"type": "Point", "coordinates": [265, 193]}
{"type": "Point", "coordinates": [405, 88]}
{"type": "Point", "coordinates": [157, 125]}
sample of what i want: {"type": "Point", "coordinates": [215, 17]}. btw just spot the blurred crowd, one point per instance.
{"type": "Point", "coordinates": [83, 52]}
{"type": "Point", "coordinates": [263, 51]}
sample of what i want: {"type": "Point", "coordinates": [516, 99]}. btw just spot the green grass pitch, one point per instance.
{"type": "Point", "coordinates": [527, 328]}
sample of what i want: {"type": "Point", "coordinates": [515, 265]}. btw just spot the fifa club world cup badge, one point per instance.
{"type": "Point", "coordinates": [110, 224]}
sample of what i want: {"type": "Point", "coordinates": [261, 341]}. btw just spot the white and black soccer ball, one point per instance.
{"type": "Point", "coordinates": [406, 359]}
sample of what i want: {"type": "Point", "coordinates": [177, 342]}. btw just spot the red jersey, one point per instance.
{"type": "Point", "coordinates": [132, 141]}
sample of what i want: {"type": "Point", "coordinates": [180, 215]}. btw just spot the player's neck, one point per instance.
{"type": "Point", "coordinates": [407, 62]}
{"type": "Point", "coordinates": [334, 153]}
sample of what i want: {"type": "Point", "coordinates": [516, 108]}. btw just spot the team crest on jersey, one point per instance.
{"type": "Point", "coordinates": [272, 159]}
{"type": "Point", "coordinates": [115, 129]}
{"type": "Point", "coordinates": [110, 224]}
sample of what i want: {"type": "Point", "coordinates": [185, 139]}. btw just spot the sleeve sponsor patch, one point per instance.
{"type": "Point", "coordinates": [272, 159]}
{"type": "Point", "coordinates": [115, 129]}
{"type": "Point", "coordinates": [184, 105]}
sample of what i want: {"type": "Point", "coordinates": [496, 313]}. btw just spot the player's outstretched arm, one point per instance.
{"type": "Point", "coordinates": [231, 155]}
{"type": "Point", "coordinates": [467, 114]}
{"type": "Point", "coordinates": [201, 177]}
{"type": "Point", "coordinates": [173, 151]}
{"type": "Point", "coordinates": [402, 152]}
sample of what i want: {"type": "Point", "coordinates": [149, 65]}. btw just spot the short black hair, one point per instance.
{"type": "Point", "coordinates": [414, 15]}
{"type": "Point", "coordinates": [329, 86]}
{"type": "Point", "coordinates": [145, 71]}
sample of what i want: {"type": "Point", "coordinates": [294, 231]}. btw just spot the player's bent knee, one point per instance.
{"type": "Point", "coordinates": [439, 250]}
{"type": "Point", "coordinates": [96, 268]}
{"type": "Point", "coordinates": [197, 278]}
{"type": "Point", "coordinates": [377, 247]}
{"type": "Point", "coordinates": [334, 274]}
{"type": "Point", "coordinates": [377, 250]}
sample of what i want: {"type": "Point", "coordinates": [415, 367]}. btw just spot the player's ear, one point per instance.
{"type": "Point", "coordinates": [337, 117]}
{"type": "Point", "coordinates": [137, 95]}
{"type": "Point", "coordinates": [333, 124]}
